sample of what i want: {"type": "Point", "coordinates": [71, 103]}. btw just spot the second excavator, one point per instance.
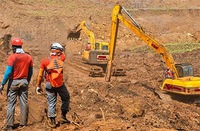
{"type": "Point", "coordinates": [95, 53]}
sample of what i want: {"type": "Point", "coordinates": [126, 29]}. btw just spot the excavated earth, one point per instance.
{"type": "Point", "coordinates": [125, 103]}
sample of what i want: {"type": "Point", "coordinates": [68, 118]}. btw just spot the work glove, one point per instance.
{"type": "Point", "coordinates": [38, 90]}
{"type": "Point", "coordinates": [1, 88]}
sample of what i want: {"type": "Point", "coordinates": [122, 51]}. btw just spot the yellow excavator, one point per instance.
{"type": "Point", "coordinates": [181, 81]}
{"type": "Point", "coordinates": [95, 53]}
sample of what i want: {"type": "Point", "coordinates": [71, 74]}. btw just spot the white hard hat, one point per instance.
{"type": "Point", "coordinates": [57, 46]}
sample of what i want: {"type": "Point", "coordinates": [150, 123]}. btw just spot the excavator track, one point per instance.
{"type": "Point", "coordinates": [118, 71]}
{"type": "Point", "coordinates": [94, 70]}
{"type": "Point", "coordinates": [89, 70]}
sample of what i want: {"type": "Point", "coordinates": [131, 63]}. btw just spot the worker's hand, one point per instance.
{"type": "Point", "coordinates": [1, 88]}
{"type": "Point", "coordinates": [38, 90]}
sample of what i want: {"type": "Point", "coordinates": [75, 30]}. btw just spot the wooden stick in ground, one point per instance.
{"type": "Point", "coordinates": [103, 115]}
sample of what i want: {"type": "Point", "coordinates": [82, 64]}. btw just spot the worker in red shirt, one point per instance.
{"type": "Point", "coordinates": [88, 47]}
{"type": "Point", "coordinates": [169, 73]}
{"type": "Point", "coordinates": [18, 74]}
{"type": "Point", "coordinates": [51, 91]}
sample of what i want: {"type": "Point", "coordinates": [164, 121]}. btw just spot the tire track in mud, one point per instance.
{"type": "Point", "coordinates": [78, 67]}
{"type": "Point", "coordinates": [82, 67]}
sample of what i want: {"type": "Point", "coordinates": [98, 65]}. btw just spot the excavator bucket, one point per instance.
{"type": "Point", "coordinates": [74, 34]}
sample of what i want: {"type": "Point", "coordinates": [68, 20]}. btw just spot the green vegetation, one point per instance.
{"type": "Point", "coordinates": [172, 47]}
{"type": "Point", "coordinates": [39, 13]}
{"type": "Point", "coordinates": [182, 47]}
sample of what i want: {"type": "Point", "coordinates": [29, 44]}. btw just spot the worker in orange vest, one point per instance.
{"type": "Point", "coordinates": [52, 91]}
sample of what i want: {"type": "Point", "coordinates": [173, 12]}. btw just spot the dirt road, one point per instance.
{"type": "Point", "coordinates": [125, 103]}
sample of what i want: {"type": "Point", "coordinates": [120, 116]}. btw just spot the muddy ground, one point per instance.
{"type": "Point", "coordinates": [124, 103]}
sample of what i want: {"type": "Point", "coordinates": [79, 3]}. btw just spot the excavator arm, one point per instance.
{"type": "Point", "coordinates": [90, 34]}
{"type": "Point", "coordinates": [182, 82]}
{"type": "Point", "coordinates": [137, 29]}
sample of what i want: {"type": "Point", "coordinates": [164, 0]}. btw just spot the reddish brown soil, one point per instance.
{"type": "Point", "coordinates": [125, 103]}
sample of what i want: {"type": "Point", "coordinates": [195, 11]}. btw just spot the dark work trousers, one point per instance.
{"type": "Point", "coordinates": [52, 98]}
{"type": "Point", "coordinates": [17, 88]}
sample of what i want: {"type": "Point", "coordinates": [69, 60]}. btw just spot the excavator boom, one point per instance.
{"type": "Point", "coordinates": [183, 81]}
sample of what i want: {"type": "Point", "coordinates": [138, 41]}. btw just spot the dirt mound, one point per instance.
{"type": "Point", "coordinates": [126, 103]}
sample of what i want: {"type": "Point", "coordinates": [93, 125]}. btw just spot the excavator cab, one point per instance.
{"type": "Point", "coordinates": [103, 45]}
{"type": "Point", "coordinates": [97, 46]}
{"type": "Point", "coordinates": [184, 70]}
